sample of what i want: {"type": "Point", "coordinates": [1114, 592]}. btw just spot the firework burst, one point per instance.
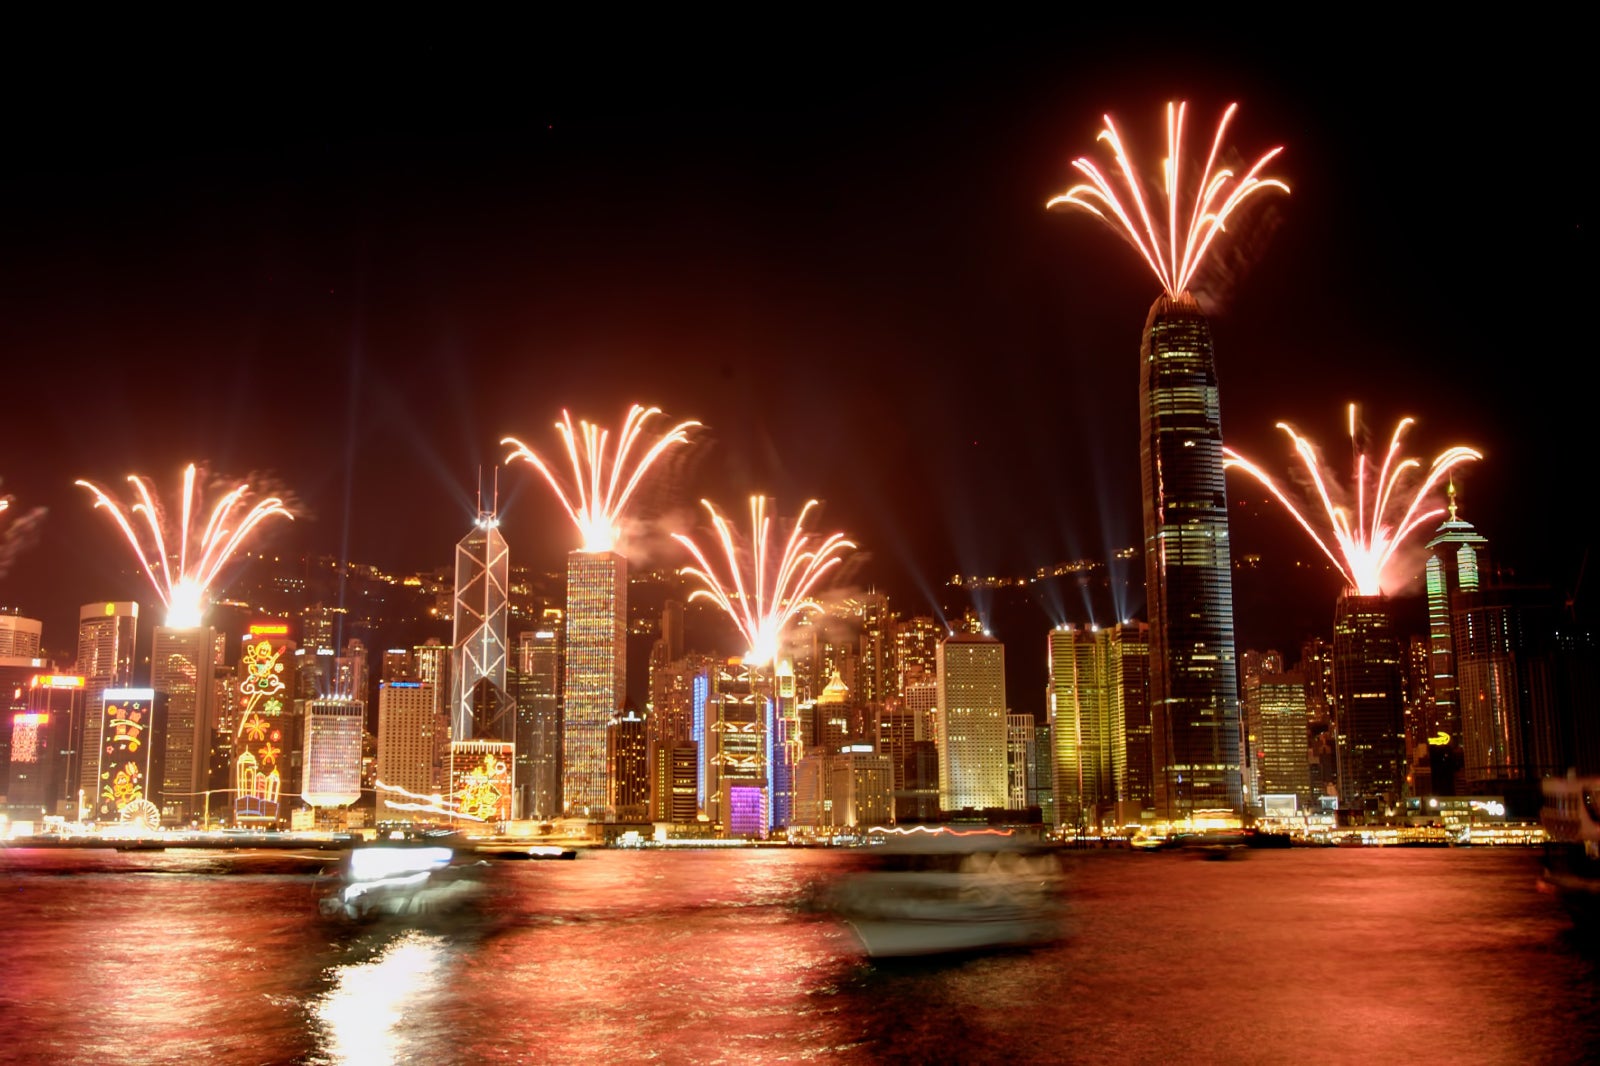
{"type": "Point", "coordinates": [1390, 504]}
{"type": "Point", "coordinates": [602, 481]}
{"type": "Point", "coordinates": [763, 592]}
{"type": "Point", "coordinates": [199, 554]}
{"type": "Point", "coordinates": [1217, 194]}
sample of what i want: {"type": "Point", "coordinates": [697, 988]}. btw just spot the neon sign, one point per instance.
{"type": "Point", "coordinates": [258, 777]}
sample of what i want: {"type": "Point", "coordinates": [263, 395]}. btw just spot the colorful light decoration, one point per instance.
{"type": "Point", "coordinates": [200, 556]}
{"type": "Point", "coordinates": [258, 779]}
{"type": "Point", "coordinates": [1362, 543]}
{"type": "Point", "coordinates": [1217, 195]}
{"type": "Point", "coordinates": [762, 593]}
{"type": "Point", "coordinates": [603, 481]}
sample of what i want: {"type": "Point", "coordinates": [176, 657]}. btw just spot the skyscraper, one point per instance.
{"type": "Point", "coordinates": [331, 770]}
{"type": "Point", "coordinates": [106, 633]}
{"type": "Point", "coordinates": [267, 737]}
{"type": "Point", "coordinates": [627, 768]}
{"type": "Point", "coordinates": [1194, 695]}
{"type": "Point", "coordinates": [182, 665]}
{"type": "Point", "coordinates": [1277, 729]}
{"type": "Point", "coordinates": [480, 707]}
{"type": "Point", "coordinates": [1368, 705]}
{"type": "Point", "coordinates": [407, 719]}
{"type": "Point", "coordinates": [1096, 687]}
{"type": "Point", "coordinates": [538, 758]}
{"type": "Point", "coordinates": [1454, 566]}
{"type": "Point", "coordinates": [596, 673]}
{"type": "Point", "coordinates": [972, 722]}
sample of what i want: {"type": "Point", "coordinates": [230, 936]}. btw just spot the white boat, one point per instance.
{"type": "Point", "coordinates": [1571, 817]}
{"type": "Point", "coordinates": [404, 881]}
{"type": "Point", "coordinates": [938, 892]}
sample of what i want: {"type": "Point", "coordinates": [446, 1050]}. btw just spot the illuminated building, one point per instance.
{"type": "Point", "coordinates": [1099, 723]}
{"type": "Point", "coordinates": [1021, 761]}
{"type": "Point", "coordinates": [627, 768]}
{"type": "Point", "coordinates": [921, 693]}
{"type": "Point", "coordinates": [876, 675]}
{"type": "Point", "coordinates": [1528, 678]}
{"type": "Point", "coordinates": [19, 637]}
{"type": "Point", "coordinates": [917, 797]}
{"type": "Point", "coordinates": [480, 780]}
{"type": "Point", "coordinates": [1041, 783]}
{"type": "Point", "coordinates": [182, 667]}
{"type": "Point", "coordinates": [538, 694]}
{"type": "Point", "coordinates": [916, 650]}
{"type": "Point", "coordinates": [680, 698]}
{"type": "Point", "coordinates": [431, 663]}
{"type": "Point", "coordinates": [351, 673]}
{"type": "Point", "coordinates": [1194, 696]}
{"type": "Point", "coordinates": [106, 634]}
{"type": "Point", "coordinates": [785, 742]}
{"type": "Point", "coordinates": [480, 707]}
{"type": "Point", "coordinates": [331, 766]}
{"type": "Point", "coordinates": [683, 777]}
{"type": "Point", "coordinates": [130, 725]}
{"type": "Point", "coordinates": [1276, 729]}
{"type": "Point", "coordinates": [1368, 704]}
{"type": "Point", "coordinates": [407, 719]}
{"type": "Point", "coordinates": [898, 728]}
{"type": "Point", "coordinates": [596, 681]}
{"type": "Point", "coordinates": [1454, 566]}
{"type": "Point", "coordinates": [830, 723]}
{"type": "Point", "coordinates": [972, 722]}
{"type": "Point", "coordinates": [45, 762]}
{"type": "Point", "coordinates": [736, 750]}
{"type": "Point", "coordinates": [266, 734]}
{"type": "Point", "coordinates": [847, 789]}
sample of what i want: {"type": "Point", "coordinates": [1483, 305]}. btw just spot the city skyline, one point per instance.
{"type": "Point", "coordinates": [856, 290]}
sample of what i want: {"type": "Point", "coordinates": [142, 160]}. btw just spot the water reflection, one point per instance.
{"type": "Point", "coordinates": [362, 1016]}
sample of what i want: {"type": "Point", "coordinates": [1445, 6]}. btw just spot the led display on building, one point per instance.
{"type": "Point", "coordinates": [259, 744]}
{"type": "Point", "coordinates": [480, 779]}
{"type": "Point", "coordinates": [127, 737]}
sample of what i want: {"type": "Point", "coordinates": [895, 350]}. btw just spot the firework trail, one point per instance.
{"type": "Point", "coordinates": [18, 532]}
{"type": "Point", "coordinates": [200, 555]}
{"type": "Point", "coordinates": [602, 482]}
{"type": "Point", "coordinates": [762, 592]}
{"type": "Point", "coordinates": [1217, 194]}
{"type": "Point", "coordinates": [1363, 543]}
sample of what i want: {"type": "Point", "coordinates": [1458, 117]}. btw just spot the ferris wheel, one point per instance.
{"type": "Point", "coordinates": [143, 813]}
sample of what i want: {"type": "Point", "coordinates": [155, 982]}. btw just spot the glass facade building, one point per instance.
{"type": "Point", "coordinates": [596, 681]}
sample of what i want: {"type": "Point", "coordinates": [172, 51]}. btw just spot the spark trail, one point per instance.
{"type": "Point", "coordinates": [762, 591]}
{"type": "Point", "coordinates": [199, 555]}
{"type": "Point", "coordinates": [1218, 193]}
{"type": "Point", "coordinates": [603, 481]}
{"type": "Point", "coordinates": [1362, 543]}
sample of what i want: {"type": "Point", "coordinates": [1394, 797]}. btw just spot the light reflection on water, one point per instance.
{"type": "Point", "coordinates": [1343, 955]}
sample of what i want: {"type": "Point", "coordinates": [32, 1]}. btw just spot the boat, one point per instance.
{"type": "Point", "coordinates": [401, 881]}
{"type": "Point", "coordinates": [941, 892]}
{"type": "Point", "coordinates": [1571, 818]}
{"type": "Point", "coordinates": [544, 852]}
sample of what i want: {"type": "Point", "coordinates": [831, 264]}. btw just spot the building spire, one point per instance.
{"type": "Point", "coordinates": [1452, 491]}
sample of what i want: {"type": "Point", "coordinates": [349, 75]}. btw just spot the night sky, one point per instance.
{"type": "Point", "coordinates": [353, 258]}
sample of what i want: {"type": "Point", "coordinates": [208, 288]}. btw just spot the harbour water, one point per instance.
{"type": "Point", "coordinates": [1341, 955]}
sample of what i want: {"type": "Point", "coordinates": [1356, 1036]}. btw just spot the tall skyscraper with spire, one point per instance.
{"type": "Point", "coordinates": [1454, 562]}
{"type": "Point", "coordinates": [480, 707]}
{"type": "Point", "coordinates": [1194, 693]}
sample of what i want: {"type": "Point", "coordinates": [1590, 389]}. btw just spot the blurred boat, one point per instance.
{"type": "Point", "coordinates": [401, 880]}
{"type": "Point", "coordinates": [930, 893]}
{"type": "Point", "coordinates": [1571, 817]}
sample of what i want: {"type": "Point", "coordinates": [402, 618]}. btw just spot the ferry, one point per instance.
{"type": "Point", "coordinates": [1571, 817]}
{"type": "Point", "coordinates": [941, 891]}
{"type": "Point", "coordinates": [401, 881]}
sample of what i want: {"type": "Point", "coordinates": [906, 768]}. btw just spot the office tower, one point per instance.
{"type": "Point", "coordinates": [19, 637]}
{"type": "Point", "coordinates": [680, 697]}
{"type": "Point", "coordinates": [1368, 704]}
{"type": "Point", "coordinates": [916, 650]}
{"type": "Point", "coordinates": [627, 768]}
{"type": "Point", "coordinates": [407, 720]}
{"type": "Point", "coordinates": [1527, 678]}
{"type": "Point", "coordinates": [267, 733]}
{"type": "Point", "coordinates": [480, 707]}
{"type": "Point", "coordinates": [43, 757]}
{"type": "Point", "coordinates": [921, 693]}
{"type": "Point", "coordinates": [846, 789]}
{"type": "Point", "coordinates": [898, 728]}
{"type": "Point", "coordinates": [785, 741]}
{"type": "Point", "coordinates": [351, 673]}
{"type": "Point", "coordinates": [1416, 672]}
{"type": "Point", "coordinates": [1276, 722]}
{"type": "Point", "coordinates": [1042, 784]}
{"type": "Point", "coordinates": [182, 668]}
{"type": "Point", "coordinates": [106, 633]}
{"type": "Point", "coordinates": [596, 681]}
{"type": "Point", "coordinates": [430, 662]}
{"type": "Point", "coordinates": [130, 756]}
{"type": "Point", "coordinates": [972, 725]}
{"type": "Point", "coordinates": [1455, 563]}
{"type": "Point", "coordinates": [1099, 723]}
{"type": "Point", "coordinates": [538, 695]}
{"type": "Point", "coordinates": [830, 716]}
{"type": "Point", "coordinates": [1188, 580]}
{"type": "Point", "coordinates": [332, 763]}
{"type": "Point", "coordinates": [1021, 760]}
{"type": "Point", "coordinates": [876, 675]}
{"type": "Point", "coordinates": [735, 749]}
